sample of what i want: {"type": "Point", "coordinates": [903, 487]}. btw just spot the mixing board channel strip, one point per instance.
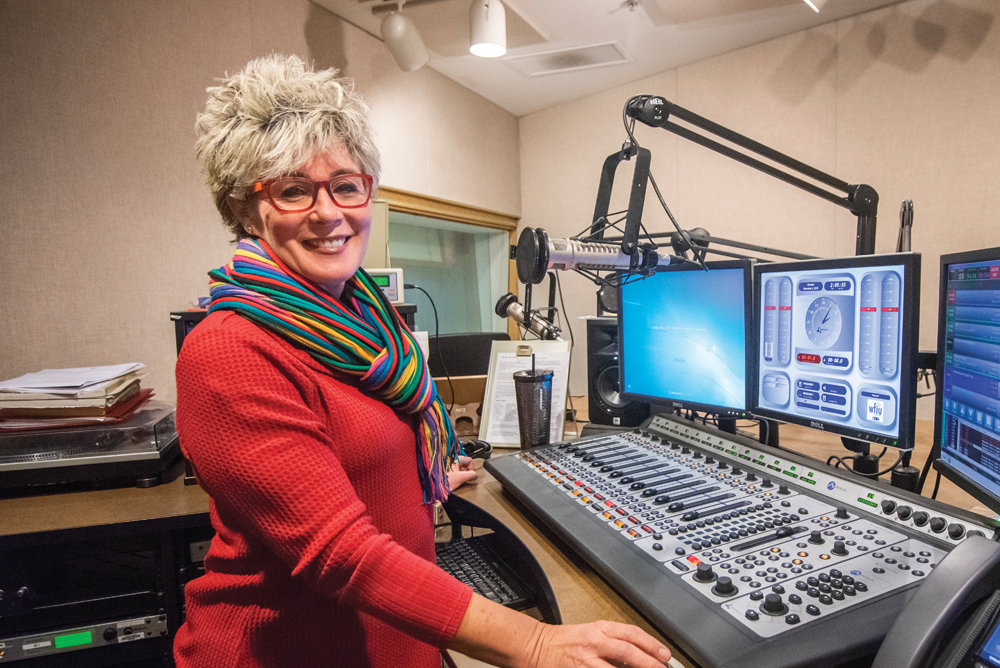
{"type": "Point", "coordinates": [708, 536]}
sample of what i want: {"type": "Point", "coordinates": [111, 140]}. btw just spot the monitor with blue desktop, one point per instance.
{"type": "Point", "coordinates": [836, 345]}
{"type": "Point", "coordinates": [684, 333]}
{"type": "Point", "coordinates": [967, 409]}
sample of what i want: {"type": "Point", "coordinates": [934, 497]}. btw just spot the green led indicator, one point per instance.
{"type": "Point", "coordinates": [793, 468]}
{"type": "Point", "coordinates": [871, 496]}
{"type": "Point", "coordinates": [74, 639]}
{"type": "Point", "coordinates": [810, 474]}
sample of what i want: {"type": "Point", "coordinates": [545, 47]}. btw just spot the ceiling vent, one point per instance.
{"type": "Point", "coordinates": [569, 60]}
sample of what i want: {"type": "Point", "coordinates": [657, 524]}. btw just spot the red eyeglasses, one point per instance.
{"type": "Point", "coordinates": [294, 194]}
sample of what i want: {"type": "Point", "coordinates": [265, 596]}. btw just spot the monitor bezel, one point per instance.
{"type": "Point", "coordinates": [966, 484]}
{"type": "Point", "coordinates": [907, 373]}
{"type": "Point", "coordinates": [725, 412]}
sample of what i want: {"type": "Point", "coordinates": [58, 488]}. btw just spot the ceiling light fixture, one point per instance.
{"type": "Point", "coordinates": [488, 27]}
{"type": "Point", "coordinates": [403, 40]}
{"type": "Point", "coordinates": [816, 5]}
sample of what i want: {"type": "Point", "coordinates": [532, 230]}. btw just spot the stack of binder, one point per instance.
{"type": "Point", "coordinates": [71, 397]}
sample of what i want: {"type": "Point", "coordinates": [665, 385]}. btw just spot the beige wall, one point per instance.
{"type": "Point", "coordinates": [906, 99]}
{"type": "Point", "coordinates": [106, 226]}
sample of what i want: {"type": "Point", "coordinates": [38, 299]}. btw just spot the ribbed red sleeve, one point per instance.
{"type": "Point", "coordinates": [324, 549]}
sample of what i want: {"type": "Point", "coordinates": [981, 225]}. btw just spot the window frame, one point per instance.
{"type": "Point", "coordinates": [402, 201]}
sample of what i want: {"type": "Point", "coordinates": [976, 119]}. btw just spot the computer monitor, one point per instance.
{"type": "Point", "coordinates": [837, 345]}
{"type": "Point", "coordinates": [967, 404]}
{"type": "Point", "coordinates": [684, 338]}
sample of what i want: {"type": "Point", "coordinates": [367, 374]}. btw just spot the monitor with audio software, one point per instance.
{"type": "Point", "coordinates": [684, 334]}
{"type": "Point", "coordinates": [967, 405]}
{"type": "Point", "coordinates": [836, 345]}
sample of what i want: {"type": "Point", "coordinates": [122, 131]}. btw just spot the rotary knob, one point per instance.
{"type": "Point", "coordinates": [842, 513]}
{"type": "Point", "coordinates": [709, 460]}
{"type": "Point", "coordinates": [685, 450]}
{"type": "Point", "coordinates": [783, 489]}
{"type": "Point", "coordinates": [888, 506]}
{"type": "Point", "coordinates": [956, 531]}
{"type": "Point", "coordinates": [704, 573]}
{"type": "Point", "coordinates": [738, 471]}
{"type": "Point", "coordinates": [938, 524]}
{"type": "Point", "coordinates": [816, 537]}
{"type": "Point", "coordinates": [751, 476]}
{"type": "Point", "coordinates": [723, 466]}
{"type": "Point", "coordinates": [724, 587]}
{"type": "Point", "coordinates": [697, 455]}
{"type": "Point", "coordinates": [773, 605]}
{"type": "Point", "coordinates": [904, 512]}
{"type": "Point", "coordinates": [839, 548]}
{"type": "Point", "coordinates": [920, 518]}
{"type": "Point", "coordinates": [655, 439]}
{"type": "Point", "coordinates": [767, 483]}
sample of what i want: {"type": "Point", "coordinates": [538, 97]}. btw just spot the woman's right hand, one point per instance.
{"type": "Point", "coordinates": [596, 645]}
{"type": "Point", "coordinates": [502, 637]}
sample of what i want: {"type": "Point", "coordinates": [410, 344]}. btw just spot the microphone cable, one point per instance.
{"type": "Point", "coordinates": [437, 333]}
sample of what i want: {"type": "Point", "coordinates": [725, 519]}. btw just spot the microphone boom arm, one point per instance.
{"type": "Point", "coordinates": [861, 200]}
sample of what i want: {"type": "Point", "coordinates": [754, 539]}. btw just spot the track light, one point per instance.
{"type": "Point", "coordinates": [816, 5]}
{"type": "Point", "coordinates": [404, 42]}
{"type": "Point", "coordinates": [488, 27]}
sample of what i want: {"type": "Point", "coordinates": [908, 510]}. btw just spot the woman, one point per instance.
{"type": "Point", "coordinates": [305, 406]}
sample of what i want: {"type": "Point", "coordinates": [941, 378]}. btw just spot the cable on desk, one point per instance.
{"type": "Point", "coordinates": [437, 333]}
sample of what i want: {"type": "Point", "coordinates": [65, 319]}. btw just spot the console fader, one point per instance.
{"type": "Point", "coordinates": [742, 555]}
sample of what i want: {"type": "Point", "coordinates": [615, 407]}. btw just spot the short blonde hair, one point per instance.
{"type": "Point", "coordinates": [271, 118]}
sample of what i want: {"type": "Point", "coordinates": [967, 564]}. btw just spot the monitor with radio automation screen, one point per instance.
{"type": "Point", "coordinates": [684, 337]}
{"type": "Point", "coordinates": [837, 345]}
{"type": "Point", "coordinates": [967, 404]}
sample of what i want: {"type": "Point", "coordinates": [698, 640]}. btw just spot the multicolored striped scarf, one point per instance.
{"type": "Point", "coordinates": [367, 341]}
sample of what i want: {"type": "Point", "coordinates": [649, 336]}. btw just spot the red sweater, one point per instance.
{"type": "Point", "coordinates": [324, 551]}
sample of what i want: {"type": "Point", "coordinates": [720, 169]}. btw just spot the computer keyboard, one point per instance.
{"type": "Point", "coordinates": [477, 563]}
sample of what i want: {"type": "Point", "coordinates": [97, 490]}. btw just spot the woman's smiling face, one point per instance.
{"type": "Point", "coordinates": [325, 244]}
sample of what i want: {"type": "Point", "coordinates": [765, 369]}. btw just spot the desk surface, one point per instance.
{"type": "Point", "coordinates": [56, 512]}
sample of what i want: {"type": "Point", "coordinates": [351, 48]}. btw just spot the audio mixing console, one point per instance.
{"type": "Point", "coordinates": [742, 555]}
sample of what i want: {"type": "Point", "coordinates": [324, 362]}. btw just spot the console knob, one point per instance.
{"type": "Point", "coordinates": [783, 489]}
{"type": "Point", "coordinates": [767, 483]}
{"type": "Point", "coordinates": [724, 587]}
{"type": "Point", "coordinates": [751, 476]}
{"type": "Point", "coordinates": [888, 506]}
{"type": "Point", "coordinates": [675, 446]}
{"type": "Point", "coordinates": [839, 548]}
{"type": "Point", "coordinates": [685, 450]}
{"type": "Point", "coordinates": [773, 605]}
{"type": "Point", "coordinates": [920, 518]}
{"type": "Point", "coordinates": [842, 513]}
{"type": "Point", "coordinates": [904, 512]}
{"type": "Point", "coordinates": [709, 460]}
{"type": "Point", "coordinates": [637, 431]}
{"type": "Point", "coordinates": [704, 573]}
{"type": "Point", "coordinates": [938, 524]}
{"type": "Point", "coordinates": [738, 471]}
{"type": "Point", "coordinates": [655, 439]}
{"type": "Point", "coordinates": [956, 531]}
{"type": "Point", "coordinates": [816, 537]}
{"type": "Point", "coordinates": [698, 455]}
{"type": "Point", "coordinates": [723, 466]}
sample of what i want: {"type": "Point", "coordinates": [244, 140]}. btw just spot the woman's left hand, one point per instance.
{"type": "Point", "coordinates": [461, 472]}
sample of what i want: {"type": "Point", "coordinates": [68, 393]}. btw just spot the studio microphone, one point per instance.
{"type": "Point", "coordinates": [508, 307]}
{"type": "Point", "coordinates": [537, 255]}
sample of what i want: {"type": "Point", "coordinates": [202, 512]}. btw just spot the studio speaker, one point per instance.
{"type": "Point", "coordinates": [607, 407]}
